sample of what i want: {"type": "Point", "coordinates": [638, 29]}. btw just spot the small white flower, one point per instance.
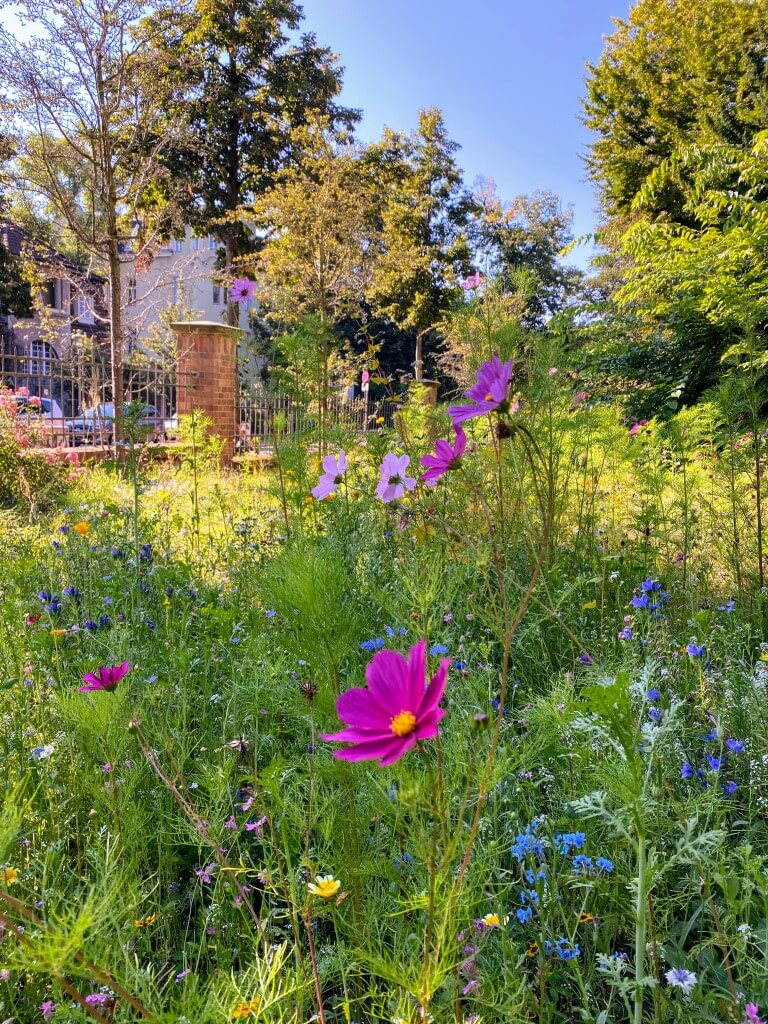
{"type": "Point", "coordinates": [680, 978]}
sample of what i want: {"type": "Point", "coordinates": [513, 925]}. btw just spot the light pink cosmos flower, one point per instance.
{"type": "Point", "coordinates": [333, 473]}
{"type": "Point", "coordinates": [242, 289]}
{"type": "Point", "coordinates": [472, 282]}
{"type": "Point", "coordinates": [752, 1014]}
{"type": "Point", "coordinates": [446, 458]}
{"type": "Point", "coordinates": [393, 482]}
{"type": "Point", "coordinates": [489, 393]}
{"type": "Point", "coordinates": [105, 678]}
{"type": "Point", "coordinates": [579, 397]}
{"type": "Point", "coordinates": [397, 709]}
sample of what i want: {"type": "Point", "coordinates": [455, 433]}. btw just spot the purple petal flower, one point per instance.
{"type": "Point", "coordinates": [446, 458]}
{"type": "Point", "coordinates": [393, 482]}
{"type": "Point", "coordinates": [333, 473]}
{"type": "Point", "coordinates": [105, 678]}
{"type": "Point", "coordinates": [387, 718]}
{"type": "Point", "coordinates": [242, 289]}
{"type": "Point", "coordinates": [489, 394]}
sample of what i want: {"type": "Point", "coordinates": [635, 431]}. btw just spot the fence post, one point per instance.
{"type": "Point", "coordinates": [207, 376]}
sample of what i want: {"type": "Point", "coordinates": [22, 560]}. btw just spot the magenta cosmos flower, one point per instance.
{"type": "Point", "coordinates": [472, 282]}
{"type": "Point", "coordinates": [393, 483]}
{"type": "Point", "coordinates": [105, 678]}
{"type": "Point", "coordinates": [332, 475]}
{"type": "Point", "coordinates": [395, 711]}
{"type": "Point", "coordinates": [242, 289]}
{"type": "Point", "coordinates": [489, 393]}
{"type": "Point", "coordinates": [446, 458]}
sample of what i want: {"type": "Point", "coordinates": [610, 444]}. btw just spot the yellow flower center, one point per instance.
{"type": "Point", "coordinates": [488, 397]}
{"type": "Point", "coordinates": [403, 724]}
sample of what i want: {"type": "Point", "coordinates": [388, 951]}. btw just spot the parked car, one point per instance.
{"type": "Point", "coordinates": [97, 425]}
{"type": "Point", "coordinates": [44, 414]}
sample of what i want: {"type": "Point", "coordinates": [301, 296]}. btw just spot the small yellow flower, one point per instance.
{"type": "Point", "coordinates": [324, 886]}
{"type": "Point", "coordinates": [493, 921]}
{"type": "Point", "coordinates": [9, 875]}
{"type": "Point", "coordinates": [58, 632]}
{"type": "Point", "coordinates": [764, 656]}
{"type": "Point", "coordinates": [532, 950]}
{"type": "Point", "coordinates": [588, 606]}
{"type": "Point", "coordinates": [145, 922]}
{"type": "Point", "coordinates": [309, 500]}
{"type": "Point", "coordinates": [586, 918]}
{"type": "Point", "coordinates": [81, 529]}
{"type": "Point", "coordinates": [246, 1009]}
{"type": "Point", "coordinates": [380, 420]}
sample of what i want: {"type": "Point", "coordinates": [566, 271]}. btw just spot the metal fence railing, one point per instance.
{"type": "Point", "coordinates": [264, 416]}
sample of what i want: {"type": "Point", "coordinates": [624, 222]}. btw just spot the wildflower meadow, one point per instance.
{"type": "Point", "coordinates": [460, 720]}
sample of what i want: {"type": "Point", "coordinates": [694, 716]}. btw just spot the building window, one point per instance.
{"type": "Point", "coordinates": [212, 243]}
{"type": "Point", "coordinates": [225, 296]}
{"type": "Point", "coordinates": [41, 353]}
{"type": "Point", "coordinates": [131, 289]}
{"type": "Point", "coordinates": [49, 294]}
{"type": "Point", "coordinates": [196, 242]}
{"type": "Point", "coordinates": [177, 245]}
{"type": "Point", "coordinates": [216, 295]}
{"type": "Point", "coordinates": [83, 311]}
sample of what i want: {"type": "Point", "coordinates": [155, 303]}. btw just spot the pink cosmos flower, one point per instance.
{"type": "Point", "coordinates": [393, 482]}
{"type": "Point", "coordinates": [242, 289]}
{"type": "Point", "coordinates": [105, 678]}
{"type": "Point", "coordinates": [47, 1009]}
{"type": "Point", "coordinates": [579, 397]}
{"type": "Point", "coordinates": [446, 457]}
{"type": "Point", "coordinates": [489, 393]}
{"type": "Point", "coordinates": [752, 1014]}
{"type": "Point", "coordinates": [472, 282]}
{"type": "Point", "coordinates": [637, 427]}
{"type": "Point", "coordinates": [333, 474]}
{"type": "Point", "coordinates": [396, 710]}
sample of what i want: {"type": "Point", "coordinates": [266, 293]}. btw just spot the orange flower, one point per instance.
{"type": "Point", "coordinates": [58, 632]}
{"type": "Point", "coordinates": [532, 950]}
{"type": "Point", "coordinates": [81, 529]}
{"type": "Point", "coordinates": [586, 918]}
{"type": "Point", "coordinates": [246, 1009]}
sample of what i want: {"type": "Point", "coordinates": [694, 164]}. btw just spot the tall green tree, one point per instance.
{"type": "Point", "coordinates": [675, 74]}
{"type": "Point", "coordinates": [527, 235]}
{"type": "Point", "coordinates": [87, 124]}
{"type": "Point", "coordinates": [245, 85]}
{"type": "Point", "coordinates": [423, 215]}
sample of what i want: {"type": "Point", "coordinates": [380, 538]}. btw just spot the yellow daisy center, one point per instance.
{"type": "Point", "coordinates": [403, 724]}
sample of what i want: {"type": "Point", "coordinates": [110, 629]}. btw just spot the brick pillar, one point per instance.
{"type": "Point", "coordinates": [207, 376]}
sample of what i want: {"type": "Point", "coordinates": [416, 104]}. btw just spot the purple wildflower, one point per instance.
{"type": "Point", "coordinates": [489, 394]}
{"type": "Point", "coordinates": [393, 482]}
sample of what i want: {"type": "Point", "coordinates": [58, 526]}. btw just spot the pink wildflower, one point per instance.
{"type": "Point", "coordinates": [333, 473]}
{"type": "Point", "coordinates": [47, 1009]}
{"type": "Point", "coordinates": [489, 394]}
{"type": "Point", "coordinates": [105, 678]}
{"type": "Point", "coordinates": [752, 1014]}
{"type": "Point", "coordinates": [242, 289]}
{"type": "Point", "coordinates": [393, 482]}
{"type": "Point", "coordinates": [395, 711]}
{"type": "Point", "coordinates": [446, 457]}
{"type": "Point", "coordinates": [637, 427]}
{"type": "Point", "coordinates": [472, 282]}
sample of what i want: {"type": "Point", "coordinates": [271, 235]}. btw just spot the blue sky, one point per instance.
{"type": "Point", "coordinates": [507, 74]}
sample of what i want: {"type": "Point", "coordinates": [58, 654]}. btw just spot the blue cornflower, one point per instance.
{"type": "Point", "coordinates": [729, 606]}
{"type": "Point", "coordinates": [565, 840]}
{"type": "Point", "coordinates": [459, 665]}
{"type": "Point", "coordinates": [371, 645]}
{"type": "Point", "coordinates": [526, 842]}
{"type": "Point", "coordinates": [403, 861]}
{"type": "Point", "coordinates": [529, 896]}
{"type": "Point", "coordinates": [45, 596]}
{"type": "Point", "coordinates": [565, 950]}
{"type": "Point", "coordinates": [654, 714]}
{"type": "Point", "coordinates": [582, 863]}
{"type": "Point", "coordinates": [270, 613]}
{"type": "Point", "coordinates": [532, 877]}
{"type": "Point", "coordinates": [72, 592]}
{"type": "Point", "coordinates": [107, 600]}
{"type": "Point", "coordinates": [396, 631]}
{"type": "Point", "coordinates": [524, 914]}
{"type": "Point", "coordinates": [649, 585]}
{"type": "Point", "coordinates": [686, 772]}
{"type": "Point", "coordinates": [64, 528]}
{"type": "Point", "coordinates": [735, 746]}
{"type": "Point", "coordinates": [90, 625]}
{"type": "Point", "coordinates": [585, 659]}
{"type": "Point", "coordinates": [729, 788]}
{"type": "Point", "coordinates": [54, 607]}
{"type": "Point", "coordinates": [695, 650]}
{"type": "Point", "coordinates": [714, 762]}
{"type": "Point", "coordinates": [702, 778]}
{"type": "Point", "coordinates": [710, 737]}
{"type": "Point", "coordinates": [625, 634]}
{"type": "Point", "coordinates": [653, 694]}
{"type": "Point", "coordinates": [55, 545]}
{"type": "Point", "coordinates": [150, 624]}
{"type": "Point", "coordinates": [145, 552]}
{"type": "Point", "coordinates": [169, 591]}
{"type": "Point", "coordinates": [117, 552]}
{"type": "Point", "coordinates": [104, 621]}
{"type": "Point", "coordinates": [640, 601]}
{"type": "Point", "coordinates": [603, 864]}
{"type": "Point", "coordinates": [436, 649]}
